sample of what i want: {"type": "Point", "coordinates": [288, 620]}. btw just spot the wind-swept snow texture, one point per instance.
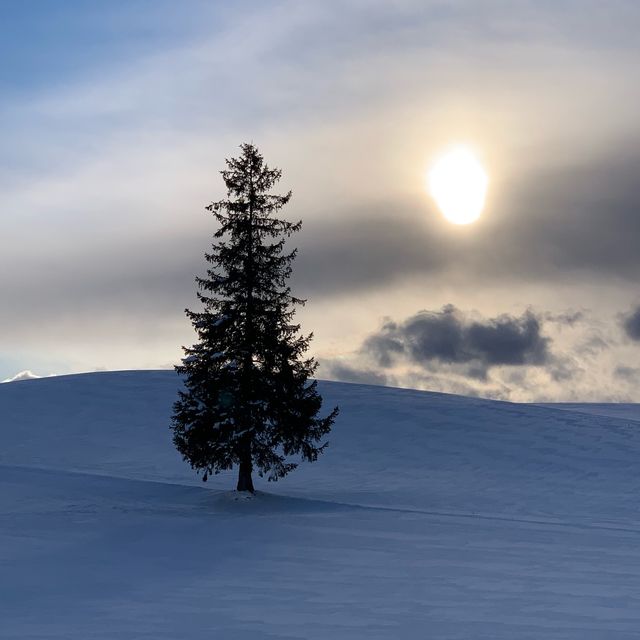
{"type": "Point", "coordinates": [430, 516]}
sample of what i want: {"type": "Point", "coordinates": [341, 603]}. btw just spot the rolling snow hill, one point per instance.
{"type": "Point", "coordinates": [430, 516]}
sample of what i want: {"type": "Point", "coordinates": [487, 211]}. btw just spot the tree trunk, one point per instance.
{"type": "Point", "coordinates": [245, 482]}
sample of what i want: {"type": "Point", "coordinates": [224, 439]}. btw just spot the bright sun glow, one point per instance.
{"type": "Point", "coordinates": [458, 184]}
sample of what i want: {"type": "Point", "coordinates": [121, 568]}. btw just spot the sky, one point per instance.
{"type": "Point", "coordinates": [116, 118]}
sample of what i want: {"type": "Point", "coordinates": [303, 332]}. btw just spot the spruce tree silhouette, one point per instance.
{"type": "Point", "coordinates": [248, 397]}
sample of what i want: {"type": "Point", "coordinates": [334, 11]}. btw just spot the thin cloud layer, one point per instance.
{"type": "Point", "coordinates": [579, 223]}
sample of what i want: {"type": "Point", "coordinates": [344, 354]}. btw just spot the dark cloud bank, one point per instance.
{"type": "Point", "coordinates": [450, 339]}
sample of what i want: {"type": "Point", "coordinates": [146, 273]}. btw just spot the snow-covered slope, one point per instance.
{"type": "Point", "coordinates": [430, 516]}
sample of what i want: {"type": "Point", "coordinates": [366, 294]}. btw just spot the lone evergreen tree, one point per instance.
{"type": "Point", "coordinates": [248, 397]}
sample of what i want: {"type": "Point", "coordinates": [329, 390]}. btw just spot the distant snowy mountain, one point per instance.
{"type": "Point", "coordinates": [430, 515]}
{"type": "Point", "coordinates": [23, 375]}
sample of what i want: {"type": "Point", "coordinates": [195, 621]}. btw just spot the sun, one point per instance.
{"type": "Point", "coordinates": [458, 183]}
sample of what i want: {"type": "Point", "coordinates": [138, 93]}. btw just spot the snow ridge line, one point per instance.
{"type": "Point", "coordinates": [93, 474]}
{"type": "Point", "coordinates": [489, 517]}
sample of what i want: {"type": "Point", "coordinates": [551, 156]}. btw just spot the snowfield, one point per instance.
{"type": "Point", "coordinates": [430, 516]}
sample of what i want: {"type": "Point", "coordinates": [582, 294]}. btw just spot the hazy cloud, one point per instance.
{"type": "Point", "coordinates": [348, 373]}
{"type": "Point", "coordinates": [593, 343]}
{"type": "Point", "coordinates": [630, 374]}
{"type": "Point", "coordinates": [631, 324]}
{"type": "Point", "coordinates": [569, 318]}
